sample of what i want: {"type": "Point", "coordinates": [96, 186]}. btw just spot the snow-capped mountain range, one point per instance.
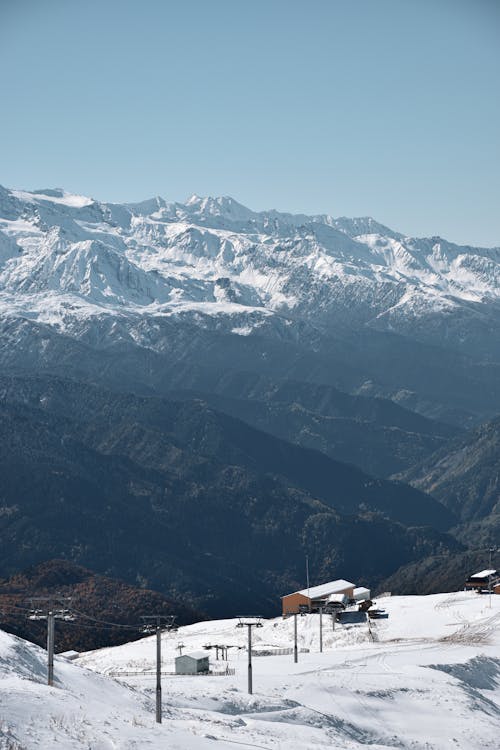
{"type": "Point", "coordinates": [64, 256]}
{"type": "Point", "coordinates": [212, 283]}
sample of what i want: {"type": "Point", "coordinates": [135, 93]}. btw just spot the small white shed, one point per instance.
{"type": "Point", "coordinates": [194, 663]}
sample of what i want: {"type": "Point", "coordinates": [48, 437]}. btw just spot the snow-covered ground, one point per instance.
{"type": "Point", "coordinates": [426, 677]}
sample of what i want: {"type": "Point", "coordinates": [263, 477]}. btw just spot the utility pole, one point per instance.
{"type": "Point", "coordinates": [254, 622]}
{"type": "Point", "coordinates": [156, 624]}
{"type": "Point", "coordinates": [321, 630]}
{"type": "Point", "coordinates": [50, 647]}
{"type": "Point", "coordinates": [295, 649]}
{"type": "Point", "coordinates": [491, 550]}
{"type": "Point", "coordinates": [220, 648]}
{"type": "Point", "coordinates": [51, 609]}
{"type": "Point", "coordinates": [307, 573]}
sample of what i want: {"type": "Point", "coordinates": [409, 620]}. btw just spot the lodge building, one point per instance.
{"type": "Point", "coordinates": [483, 580]}
{"type": "Point", "coordinates": [311, 599]}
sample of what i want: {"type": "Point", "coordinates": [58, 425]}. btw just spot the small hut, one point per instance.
{"type": "Point", "coordinates": [193, 663]}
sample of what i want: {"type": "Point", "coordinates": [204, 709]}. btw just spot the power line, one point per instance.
{"type": "Point", "coordinates": [14, 608]}
{"type": "Point", "coordinates": [105, 622]}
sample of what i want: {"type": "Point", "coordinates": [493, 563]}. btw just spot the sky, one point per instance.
{"type": "Point", "coordinates": [387, 108]}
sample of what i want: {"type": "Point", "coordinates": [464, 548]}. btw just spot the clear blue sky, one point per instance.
{"type": "Point", "coordinates": [389, 108]}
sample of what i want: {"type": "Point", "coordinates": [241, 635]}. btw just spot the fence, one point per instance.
{"type": "Point", "coordinates": [228, 672]}
{"type": "Point", "coordinates": [277, 651]}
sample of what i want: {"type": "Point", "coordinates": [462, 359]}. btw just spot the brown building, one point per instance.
{"type": "Point", "coordinates": [483, 580]}
{"type": "Point", "coordinates": [315, 597]}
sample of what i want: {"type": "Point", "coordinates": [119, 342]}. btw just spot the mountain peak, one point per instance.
{"type": "Point", "coordinates": [360, 225]}
{"type": "Point", "coordinates": [352, 272]}
{"type": "Point", "coordinates": [223, 206]}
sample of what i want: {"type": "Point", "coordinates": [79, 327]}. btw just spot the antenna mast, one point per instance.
{"type": "Point", "coordinates": [307, 573]}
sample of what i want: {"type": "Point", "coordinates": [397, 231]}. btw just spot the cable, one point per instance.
{"type": "Point", "coordinates": [13, 609]}
{"type": "Point", "coordinates": [16, 608]}
{"type": "Point", "coordinates": [105, 622]}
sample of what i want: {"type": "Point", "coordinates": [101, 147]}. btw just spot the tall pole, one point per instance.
{"type": "Point", "coordinates": [321, 630]}
{"type": "Point", "coordinates": [52, 608]}
{"type": "Point", "coordinates": [295, 649]}
{"type": "Point", "coordinates": [250, 686]}
{"type": "Point", "coordinates": [50, 648]}
{"type": "Point", "coordinates": [249, 624]}
{"type": "Point", "coordinates": [490, 550]}
{"type": "Point", "coordinates": [158, 671]}
{"type": "Point", "coordinates": [158, 623]}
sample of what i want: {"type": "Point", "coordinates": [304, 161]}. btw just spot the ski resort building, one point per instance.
{"type": "Point", "coordinates": [361, 594]}
{"type": "Point", "coordinates": [483, 580]}
{"type": "Point", "coordinates": [313, 598]}
{"type": "Point", "coordinates": [193, 663]}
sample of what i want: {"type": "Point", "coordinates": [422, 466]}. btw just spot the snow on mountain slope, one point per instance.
{"type": "Point", "coordinates": [90, 269]}
{"type": "Point", "coordinates": [8, 248]}
{"type": "Point", "coordinates": [82, 711]}
{"type": "Point", "coordinates": [428, 677]}
{"type": "Point", "coordinates": [154, 255]}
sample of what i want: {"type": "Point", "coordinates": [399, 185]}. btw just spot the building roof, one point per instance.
{"type": "Point", "coordinates": [337, 597]}
{"type": "Point", "coordinates": [361, 590]}
{"type": "Point", "coordinates": [195, 655]}
{"type": "Point", "coordinates": [70, 654]}
{"type": "Point", "coordinates": [484, 574]}
{"type": "Point", "coordinates": [325, 589]}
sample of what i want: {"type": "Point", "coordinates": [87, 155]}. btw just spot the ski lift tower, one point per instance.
{"type": "Point", "coordinates": [249, 623]}
{"type": "Point", "coordinates": [156, 624]}
{"type": "Point", "coordinates": [50, 608]}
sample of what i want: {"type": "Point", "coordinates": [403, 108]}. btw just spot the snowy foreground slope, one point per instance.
{"type": "Point", "coordinates": [427, 677]}
{"type": "Point", "coordinates": [83, 709]}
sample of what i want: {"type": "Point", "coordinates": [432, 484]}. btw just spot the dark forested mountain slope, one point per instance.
{"type": "Point", "coordinates": [374, 434]}
{"type": "Point", "coordinates": [301, 337]}
{"type": "Point", "coordinates": [465, 474]}
{"type": "Point", "coordinates": [159, 434]}
{"type": "Point", "coordinates": [192, 502]}
{"type": "Point", "coordinates": [107, 611]}
{"type": "Point", "coordinates": [442, 572]}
